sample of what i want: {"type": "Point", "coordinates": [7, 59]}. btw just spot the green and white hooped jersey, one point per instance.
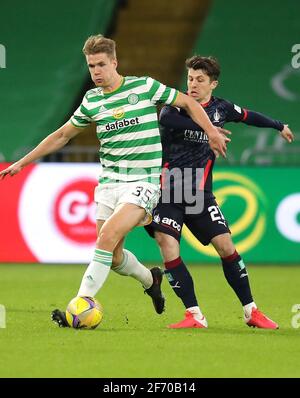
{"type": "Point", "coordinates": [127, 128]}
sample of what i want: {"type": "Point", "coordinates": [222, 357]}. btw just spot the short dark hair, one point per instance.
{"type": "Point", "coordinates": [210, 65]}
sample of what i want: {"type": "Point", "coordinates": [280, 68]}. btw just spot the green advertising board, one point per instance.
{"type": "Point", "coordinates": [262, 206]}
{"type": "Point", "coordinates": [38, 94]}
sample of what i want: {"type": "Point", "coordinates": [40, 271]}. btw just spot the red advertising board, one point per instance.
{"type": "Point", "coordinates": [47, 213]}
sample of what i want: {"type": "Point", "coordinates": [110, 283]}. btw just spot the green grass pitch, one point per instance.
{"type": "Point", "coordinates": [133, 341]}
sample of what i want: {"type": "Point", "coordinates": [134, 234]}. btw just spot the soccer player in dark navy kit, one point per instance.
{"type": "Point", "coordinates": [186, 146]}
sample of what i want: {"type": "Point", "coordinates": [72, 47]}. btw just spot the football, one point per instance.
{"type": "Point", "coordinates": [84, 313]}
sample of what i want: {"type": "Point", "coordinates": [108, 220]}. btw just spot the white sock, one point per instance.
{"type": "Point", "coordinates": [248, 309]}
{"type": "Point", "coordinates": [130, 266]}
{"type": "Point", "coordinates": [197, 314]}
{"type": "Point", "coordinates": [96, 273]}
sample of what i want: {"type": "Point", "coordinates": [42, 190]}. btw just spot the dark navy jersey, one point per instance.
{"type": "Point", "coordinates": [185, 145]}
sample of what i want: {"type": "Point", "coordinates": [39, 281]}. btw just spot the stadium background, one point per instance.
{"type": "Point", "coordinates": [46, 211]}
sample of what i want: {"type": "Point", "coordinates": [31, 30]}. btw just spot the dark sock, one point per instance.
{"type": "Point", "coordinates": [236, 275]}
{"type": "Point", "coordinates": [181, 281]}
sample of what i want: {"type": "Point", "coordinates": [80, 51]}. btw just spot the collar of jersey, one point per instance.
{"type": "Point", "coordinates": [207, 103]}
{"type": "Point", "coordinates": [114, 91]}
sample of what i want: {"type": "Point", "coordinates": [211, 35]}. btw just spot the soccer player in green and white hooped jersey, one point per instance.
{"type": "Point", "coordinates": [126, 122]}
{"type": "Point", "coordinates": [127, 128]}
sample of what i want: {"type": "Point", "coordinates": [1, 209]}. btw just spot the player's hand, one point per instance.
{"type": "Point", "coordinates": [287, 134]}
{"type": "Point", "coordinates": [217, 141]}
{"type": "Point", "coordinates": [11, 170]}
{"type": "Point", "coordinates": [224, 132]}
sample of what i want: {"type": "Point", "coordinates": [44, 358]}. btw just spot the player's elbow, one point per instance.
{"type": "Point", "coordinates": [189, 103]}
{"type": "Point", "coordinates": [59, 138]}
{"type": "Point", "coordinates": [65, 133]}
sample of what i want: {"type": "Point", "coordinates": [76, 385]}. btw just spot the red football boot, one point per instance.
{"type": "Point", "coordinates": [259, 320]}
{"type": "Point", "coordinates": [190, 321]}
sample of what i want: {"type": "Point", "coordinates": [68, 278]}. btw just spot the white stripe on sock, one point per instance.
{"type": "Point", "coordinates": [95, 275]}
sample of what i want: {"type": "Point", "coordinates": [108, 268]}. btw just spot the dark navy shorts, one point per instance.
{"type": "Point", "coordinates": [170, 217]}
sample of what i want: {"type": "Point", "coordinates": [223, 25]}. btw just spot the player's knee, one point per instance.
{"type": "Point", "coordinates": [168, 245]}
{"type": "Point", "coordinates": [107, 238]}
{"type": "Point", "coordinates": [226, 249]}
{"type": "Point", "coordinates": [163, 240]}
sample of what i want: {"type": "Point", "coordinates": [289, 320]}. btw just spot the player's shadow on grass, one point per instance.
{"type": "Point", "coordinates": [231, 330]}
{"type": "Point", "coordinates": [28, 310]}
{"type": "Point", "coordinates": [202, 332]}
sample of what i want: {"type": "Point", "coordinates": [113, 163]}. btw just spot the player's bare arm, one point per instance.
{"type": "Point", "coordinates": [217, 141]}
{"type": "Point", "coordinates": [287, 134]}
{"type": "Point", "coordinates": [51, 143]}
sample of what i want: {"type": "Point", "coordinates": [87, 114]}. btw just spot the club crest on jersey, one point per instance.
{"type": "Point", "coordinates": [118, 113]}
{"type": "Point", "coordinates": [217, 116]}
{"type": "Point", "coordinates": [133, 99]}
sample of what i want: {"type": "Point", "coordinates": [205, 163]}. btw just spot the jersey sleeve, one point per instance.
{"type": "Point", "coordinates": [170, 117]}
{"type": "Point", "coordinates": [160, 93]}
{"type": "Point", "coordinates": [81, 116]}
{"type": "Point", "coordinates": [234, 113]}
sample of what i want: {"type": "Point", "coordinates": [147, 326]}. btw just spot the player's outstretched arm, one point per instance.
{"type": "Point", "coordinates": [216, 141]}
{"type": "Point", "coordinates": [51, 143]}
{"type": "Point", "coordinates": [287, 134]}
{"type": "Point", "coordinates": [258, 119]}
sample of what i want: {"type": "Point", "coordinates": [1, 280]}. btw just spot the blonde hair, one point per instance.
{"type": "Point", "coordinates": [100, 44]}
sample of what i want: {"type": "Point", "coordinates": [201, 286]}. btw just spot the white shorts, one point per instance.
{"type": "Point", "coordinates": [109, 196]}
